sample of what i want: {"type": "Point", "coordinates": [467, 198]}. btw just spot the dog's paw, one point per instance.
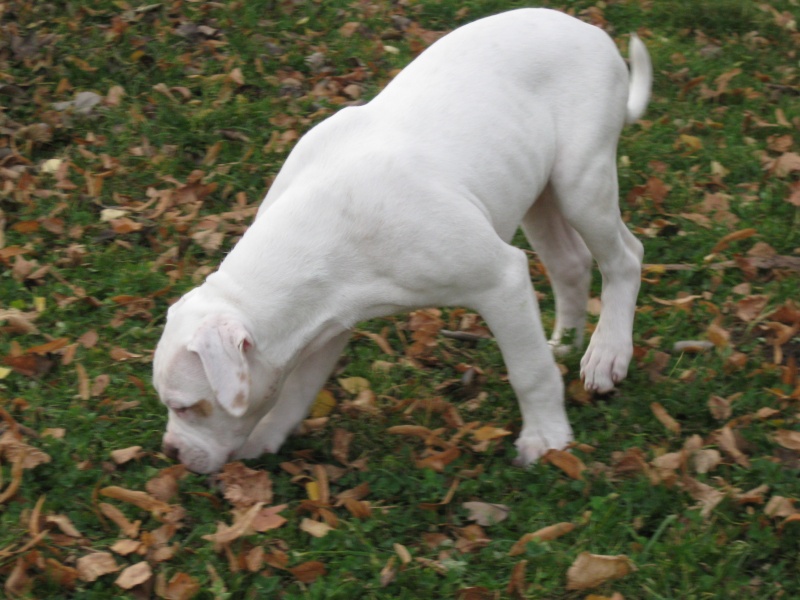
{"type": "Point", "coordinates": [604, 365]}
{"type": "Point", "coordinates": [532, 445]}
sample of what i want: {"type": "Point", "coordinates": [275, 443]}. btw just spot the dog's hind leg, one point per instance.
{"type": "Point", "coordinates": [569, 267]}
{"type": "Point", "coordinates": [506, 300]}
{"type": "Point", "coordinates": [295, 400]}
{"type": "Point", "coordinates": [587, 197]}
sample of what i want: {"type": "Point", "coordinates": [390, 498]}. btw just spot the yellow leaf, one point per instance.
{"type": "Point", "coordinates": [354, 385]}
{"type": "Point", "coordinates": [312, 489]}
{"type": "Point", "coordinates": [39, 303]}
{"type": "Point", "coordinates": [323, 405]}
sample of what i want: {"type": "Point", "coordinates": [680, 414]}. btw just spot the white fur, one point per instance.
{"type": "Point", "coordinates": [411, 201]}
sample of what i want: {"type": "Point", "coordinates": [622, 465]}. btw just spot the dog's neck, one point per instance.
{"type": "Point", "coordinates": [289, 322]}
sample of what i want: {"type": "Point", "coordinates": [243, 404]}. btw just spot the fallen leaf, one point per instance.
{"type": "Point", "coordinates": [323, 405]}
{"type": "Point", "coordinates": [566, 461]}
{"type": "Point", "coordinates": [134, 575]}
{"type": "Point", "coordinates": [592, 570]}
{"type": "Point", "coordinates": [316, 528]}
{"type": "Point", "coordinates": [308, 572]}
{"type": "Point", "coordinates": [545, 534]}
{"type": "Point", "coordinates": [141, 499]}
{"type": "Point", "coordinates": [242, 525]}
{"type": "Point", "coordinates": [268, 518]}
{"type": "Point", "coordinates": [182, 587]}
{"type": "Point", "coordinates": [243, 486]}
{"type": "Point", "coordinates": [664, 418]}
{"type": "Point", "coordinates": [485, 513]}
{"type": "Point", "coordinates": [788, 439]}
{"type": "Point", "coordinates": [124, 455]}
{"type": "Point", "coordinates": [95, 565]}
{"type": "Point", "coordinates": [708, 497]}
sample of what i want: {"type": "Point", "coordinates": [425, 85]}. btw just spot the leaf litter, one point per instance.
{"type": "Point", "coordinates": [53, 156]}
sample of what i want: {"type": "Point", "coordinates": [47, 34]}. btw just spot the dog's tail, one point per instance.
{"type": "Point", "coordinates": [641, 79]}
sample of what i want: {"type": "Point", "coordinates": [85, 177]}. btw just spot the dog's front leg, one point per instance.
{"type": "Point", "coordinates": [512, 313]}
{"type": "Point", "coordinates": [295, 399]}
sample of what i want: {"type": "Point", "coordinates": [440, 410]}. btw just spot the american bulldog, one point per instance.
{"type": "Point", "coordinates": [410, 201]}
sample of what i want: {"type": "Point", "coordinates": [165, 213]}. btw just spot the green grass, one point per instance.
{"type": "Point", "coordinates": [151, 142]}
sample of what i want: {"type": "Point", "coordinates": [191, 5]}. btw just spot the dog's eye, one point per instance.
{"type": "Point", "coordinates": [182, 411]}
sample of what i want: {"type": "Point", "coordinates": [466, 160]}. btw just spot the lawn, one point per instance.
{"type": "Point", "coordinates": [136, 141]}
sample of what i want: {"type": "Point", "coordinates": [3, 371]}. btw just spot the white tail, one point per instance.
{"type": "Point", "coordinates": [641, 79]}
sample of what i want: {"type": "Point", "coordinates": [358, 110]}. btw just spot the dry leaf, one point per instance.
{"type": "Point", "coordinates": [323, 405]}
{"type": "Point", "coordinates": [664, 417]}
{"type": "Point", "coordinates": [486, 514]}
{"type": "Point", "coordinates": [141, 499]}
{"type": "Point", "coordinates": [124, 455]}
{"type": "Point", "coordinates": [545, 534]}
{"type": "Point", "coordinates": [134, 575]}
{"type": "Point", "coordinates": [566, 461]}
{"type": "Point", "coordinates": [268, 518]}
{"type": "Point", "coordinates": [720, 408]}
{"type": "Point", "coordinates": [244, 486]}
{"type": "Point", "coordinates": [592, 570]}
{"type": "Point", "coordinates": [182, 587]}
{"type": "Point", "coordinates": [788, 439]}
{"type": "Point", "coordinates": [308, 572]}
{"type": "Point", "coordinates": [242, 525]}
{"type": "Point", "coordinates": [95, 565]}
{"type": "Point", "coordinates": [316, 528]}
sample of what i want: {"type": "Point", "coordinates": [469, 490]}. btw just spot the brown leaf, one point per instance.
{"type": "Point", "coordinates": [788, 439]}
{"type": "Point", "coordinates": [545, 534]}
{"type": "Point", "coordinates": [707, 496]}
{"type": "Point", "coordinates": [730, 445]}
{"type": "Point", "coordinates": [64, 524]}
{"type": "Point", "coordinates": [124, 455]}
{"type": "Point", "coordinates": [487, 432]}
{"type": "Point", "coordinates": [725, 241]}
{"type": "Point", "coordinates": [439, 460]}
{"type": "Point", "coordinates": [718, 336]}
{"type": "Point", "coordinates": [779, 506]}
{"type": "Point", "coordinates": [165, 485]}
{"type": "Point", "coordinates": [664, 418]}
{"type": "Point", "coordinates": [268, 518]}
{"type": "Point", "coordinates": [485, 513]}
{"type": "Point", "coordinates": [242, 525]}
{"type": "Point", "coordinates": [141, 499]}
{"type": "Point", "coordinates": [705, 460]}
{"type": "Point", "coordinates": [317, 529]}
{"type": "Point", "coordinates": [720, 408]}
{"type": "Point", "coordinates": [749, 308]}
{"type": "Point", "coordinates": [244, 486]}
{"type": "Point", "coordinates": [566, 461]}
{"type": "Point", "coordinates": [341, 445]}
{"type": "Point", "coordinates": [134, 575]}
{"type": "Point", "coordinates": [308, 572]}
{"type": "Point", "coordinates": [182, 587]}
{"type": "Point", "coordinates": [120, 520]}
{"type": "Point", "coordinates": [592, 570]}
{"type": "Point", "coordinates": [517, 586]}
{"type": "Point", "coordinates": [95, 565]}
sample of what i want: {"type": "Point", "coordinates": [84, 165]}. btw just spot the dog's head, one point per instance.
{"type": "Point", "coordinates": [209, 373]}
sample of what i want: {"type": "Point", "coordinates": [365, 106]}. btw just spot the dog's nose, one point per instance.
{"type": "Point", "coordinates": [171, 451]}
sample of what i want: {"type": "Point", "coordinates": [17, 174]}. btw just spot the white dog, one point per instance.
{"type": "Point", "coordinates": [411, 201]}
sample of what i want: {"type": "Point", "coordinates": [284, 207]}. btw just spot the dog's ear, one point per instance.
{"type": "Point", "coordinates": [222, 342]}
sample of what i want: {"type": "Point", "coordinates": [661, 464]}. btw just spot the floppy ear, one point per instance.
{"type": "Point", "coordinates": [222, 343]}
